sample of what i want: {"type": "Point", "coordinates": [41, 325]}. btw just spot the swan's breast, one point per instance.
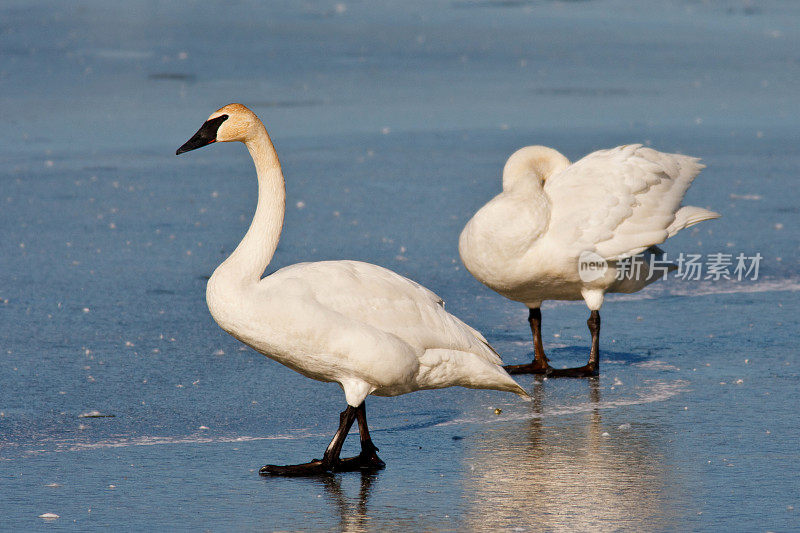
{"type": "Point", "coordinates": [291, 317]}
{"type": "Point", "coordinates": [498, 241]}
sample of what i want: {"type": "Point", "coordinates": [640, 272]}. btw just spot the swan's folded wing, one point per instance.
{"type": "Point", "coordinates": [389, 302]}
{"type": "Point", "coordinates": [618, 202]}
{"type": "Point", "coordinates": [416, 314]}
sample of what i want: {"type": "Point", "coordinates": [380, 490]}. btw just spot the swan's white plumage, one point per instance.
{"type": "Point", "coordinates": [361, 325]}
{"type": "Point", "coordinates": [526, 242]}
{"type": "Point", "coordinates": [619, 202]}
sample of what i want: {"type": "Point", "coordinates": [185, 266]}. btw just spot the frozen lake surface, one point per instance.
{"type": "Point", "coordinates": [392, 122]}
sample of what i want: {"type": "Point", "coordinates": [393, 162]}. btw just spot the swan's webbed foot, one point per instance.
{"type": "Point", "coordinates": [587, 371]}
{"type": "Point", "coordinates": [366, 460]}
{"type": "Point", "coordinates": [541, 365]}
{"type": "Point", "coordinates": [536, 367]}
{"type": "Point", "coordinates": [316, 467]}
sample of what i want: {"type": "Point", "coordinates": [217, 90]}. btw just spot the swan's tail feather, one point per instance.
{"type": "Point", "coordinates": [443, 368]}
{"type": "Point", "coordinates": [522, 393]}
{"type": "Point", "coordinates": [689, 216]}
{"type": "Point", "coordinates": [505, 383]}
{"type": "Point", "coordinates": [482, 347]}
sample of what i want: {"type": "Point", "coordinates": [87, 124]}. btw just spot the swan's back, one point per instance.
{"type": "Point", "coordinates": [620, 201]}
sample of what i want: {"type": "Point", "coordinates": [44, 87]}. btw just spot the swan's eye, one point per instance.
{"type": "Point", "coordinates": [216, 122]}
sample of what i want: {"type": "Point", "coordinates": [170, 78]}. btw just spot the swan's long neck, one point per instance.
{"type": "Point", "coordinates": [249, 260]}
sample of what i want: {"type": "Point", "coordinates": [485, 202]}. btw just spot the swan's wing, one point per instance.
{"type": "Point", "coordinates": [618, 202]}
{"type": "Point", "coordinates": [389, 302]}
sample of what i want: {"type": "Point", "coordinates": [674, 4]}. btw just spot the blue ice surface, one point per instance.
{"type": "Point", "coordinates": [392, 121]}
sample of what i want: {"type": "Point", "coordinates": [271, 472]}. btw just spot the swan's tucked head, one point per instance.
{"type": "Point", "coordinates": [532, 164]}
{"type": "Point", "coordinates": [234, 122]}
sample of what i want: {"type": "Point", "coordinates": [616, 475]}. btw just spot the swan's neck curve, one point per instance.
{"type": "Point", "coordinates": [531, 166]}
{"type": "Point", "coordinates": [249, 260]}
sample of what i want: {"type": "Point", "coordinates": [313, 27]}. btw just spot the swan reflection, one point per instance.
{"type": "Point", "coordinates": [565, 474]}
{"type": "Point", "coordinates": [352, 515]}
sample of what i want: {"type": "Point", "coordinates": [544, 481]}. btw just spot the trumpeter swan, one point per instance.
{"type": "Point", "coordinates": [561, 231]}
{"type": "Point", "coordinates": [360, 325]}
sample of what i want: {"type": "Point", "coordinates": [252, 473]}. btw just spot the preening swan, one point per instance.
{"type": "Point", "coordinates": [553, 218]}
{"type": "Point", "coordinates": [360, 325]}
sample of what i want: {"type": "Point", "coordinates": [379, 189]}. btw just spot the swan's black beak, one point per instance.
{"type": "Point", "coordinates": [207, 134]}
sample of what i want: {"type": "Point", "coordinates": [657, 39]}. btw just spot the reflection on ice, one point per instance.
{"type": "Point", "coordinates": [353, 516]}
{"type": "Point", "coordinates": [565, 474]}
{"type": "Point", "coordinates": [346, 498]}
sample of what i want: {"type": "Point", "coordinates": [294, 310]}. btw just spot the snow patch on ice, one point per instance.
{"type": "Point", "coordinates": [94, 414]}
{"type": "Point", "coordinates": [75, 445]}
{"type": "Point", "coordinates": [656, 365]}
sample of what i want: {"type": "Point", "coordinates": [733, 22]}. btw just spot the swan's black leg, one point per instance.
{"type": "Point", "coordinates": [330, 460]}
{"type": "Point", "coordinates": [592, 368]}
{"type": "Point", "coordinates": [368, 458]}
{"type": "Point", "coordinates": [540, 364]}
{"type": "Point", "coordinates": [594, 328]}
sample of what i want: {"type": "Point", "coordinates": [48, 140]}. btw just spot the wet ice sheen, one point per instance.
{"type": "Point", "coordinates": [393, 122]}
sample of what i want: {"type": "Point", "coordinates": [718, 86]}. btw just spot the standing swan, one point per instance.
{"type": "Point", "coordinates": [360, 325]}
{"type": "Point", "coordinates": [561, 231]}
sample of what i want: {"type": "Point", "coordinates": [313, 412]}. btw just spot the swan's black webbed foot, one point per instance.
{"type": "Point", "coordinates": [367, 460]}
{"type": "Point", "coordinates": [536, 367]}
{"type": "Point", "coordinates": [590, 369]}
{"type": "Point", "coordinates": [351, 464]}
{"type": "Point", "coordinates": [586, 371]}
{"type": "Point", "coordinates": [313, 468]}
